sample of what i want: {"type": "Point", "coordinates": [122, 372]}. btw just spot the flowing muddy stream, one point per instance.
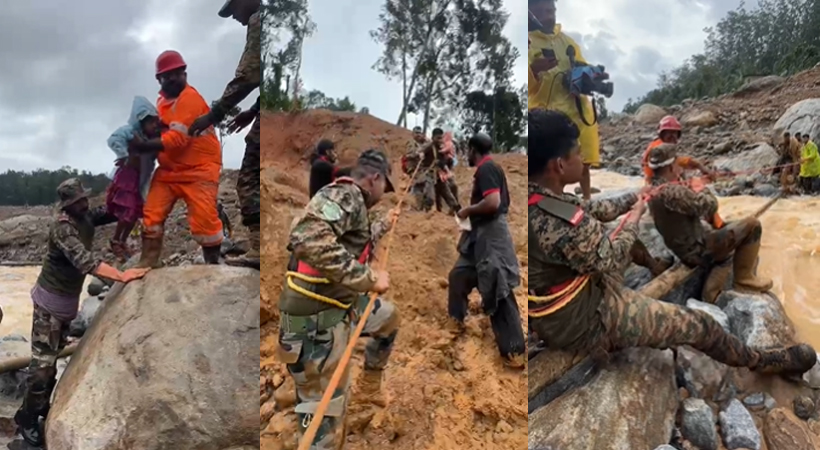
{"type": "Point", "coordinates": [790, 252]}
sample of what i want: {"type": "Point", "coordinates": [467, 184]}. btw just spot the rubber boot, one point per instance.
{"type": "Point", "coordinates": [794, 360]}
{"type": "Point", "coordinates": [370, 388]}
{"type": "Point", "coordinates": [211, 254]}
{"type": "Point", "coordinates": [250, 259]}
{"type": "Point", "coordinates": [151, 250]}
{"type": "Point", "coordinates": [745, 260]}
{"type": "Point", "coordinates": [716, 281]}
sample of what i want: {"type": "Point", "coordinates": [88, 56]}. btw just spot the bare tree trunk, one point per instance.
{"type": "Point", "coordinates": [404, 81]}
{"type": "Point", "coordinates": [430, 84]}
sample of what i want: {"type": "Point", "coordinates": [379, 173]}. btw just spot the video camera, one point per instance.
{"type": "Point", "coordinates": [585, 79]}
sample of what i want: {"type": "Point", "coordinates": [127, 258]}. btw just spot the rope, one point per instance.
{"type": "Point", "coordinates": [321, 409]}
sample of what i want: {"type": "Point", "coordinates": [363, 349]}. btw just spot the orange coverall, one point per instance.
{"type": "Point", "coordinates": [188, 169]}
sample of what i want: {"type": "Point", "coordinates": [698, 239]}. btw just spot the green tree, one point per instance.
{"type": "Point", "coordinates": [39, 187]}
{"type": "Point", "coordinates": [286, 24]}
{"type": "Point", "coordinates": [499, 114]}
{"type": "Point", "coordinates": [222, 127]}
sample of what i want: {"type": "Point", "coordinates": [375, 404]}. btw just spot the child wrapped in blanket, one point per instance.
{"type": "Point", "coordinates": [127, 192]}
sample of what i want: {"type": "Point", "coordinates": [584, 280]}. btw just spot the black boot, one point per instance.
{"type": "Point", "coordinates": [211, 254]}
{"type": "Point", "coordinates": [28, 425]}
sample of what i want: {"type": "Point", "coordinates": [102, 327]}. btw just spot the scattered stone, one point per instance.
{"type": "Point", "coordinates": [698, 424]}
{"type": "Point", "coordinates": [766, 190]}
{"type": "Point", "coordinates": [784, 431]}
{"type": "Point", "coordinates": [665, 447]}
{"type": "Point", "coordinates": [757, 319]}
{"type": "Point", "coordinates": [699, 119]}
{"type": "Point", "coordinates": [712, 310]}
{"type": "Point", "coordinates": [96, 286]}
{"type": "Point", "coordinates": [759, 84]}
{"type": "Point", "coordinates": [804, 407]}
{"type": "Point", "coordinates": [701, 375]}
{"type": "Point", "coordinates": [812, 377]}
{"type": "Point", "coordinates": [649, 114]}
{"type": "Point", "coordinates": [738, 427]}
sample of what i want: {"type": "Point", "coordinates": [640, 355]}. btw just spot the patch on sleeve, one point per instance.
{"type": "Point", "coordinates": [330, 211]}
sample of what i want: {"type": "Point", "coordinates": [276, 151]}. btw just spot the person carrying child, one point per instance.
{"type": "Point", "coordinates": [124, 197]}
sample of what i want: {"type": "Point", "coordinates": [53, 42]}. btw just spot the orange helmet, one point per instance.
{"type": "Point", "coordinates": [669, 123]}
{"type": "Point", "coordinates": [169, 60]}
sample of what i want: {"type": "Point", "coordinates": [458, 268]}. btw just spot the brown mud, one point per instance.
{"type": "Point", "coordinates": [444, 392]}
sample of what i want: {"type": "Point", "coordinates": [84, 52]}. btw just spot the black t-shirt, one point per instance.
{"type": "Point", "coordinates": [322, 173]}
{"type": "Point", "coordinates": [489, 178]}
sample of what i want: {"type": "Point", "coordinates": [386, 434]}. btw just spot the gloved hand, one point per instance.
{"type": "Point", "coordinates": [105, 270]}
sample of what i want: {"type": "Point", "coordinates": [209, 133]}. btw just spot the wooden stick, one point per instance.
{"type": "Point", "coordinates": [22, 362]}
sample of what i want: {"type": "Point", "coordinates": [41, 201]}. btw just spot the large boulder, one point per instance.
{"type": "Point", "coordinates": [171, 361]}
{"type": "Point", "coordinates": [649, 114]}
{"type": "Point", "coordinates": [762, 155]}
{"type": "Point", "coordinates": [703, 118]}
{"type": "Point", "coordinates": [759, 84]}
{"type": "Point", "coordinates": [759, 320]}
{"type": "Point", "coordinates": [802, 117]}
{"type": "Point", "coordinates": [638, 381]}
{"type": "Point", "coordinates": [21, 230]}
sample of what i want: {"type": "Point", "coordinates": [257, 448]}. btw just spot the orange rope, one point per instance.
{"type": "Point", "coordinates": [316, 420]}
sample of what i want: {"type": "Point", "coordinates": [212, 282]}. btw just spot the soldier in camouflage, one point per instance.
{"type": "Point", "coordinates": [678, 208]}
{"type": "Point", "coordinates": [248, 78]}
{"type": "Point", "coordinates": [428, 185]}
{"type": "Point", "coordinates": [412, 158]}
{"type": "Point", "coordinates": [56, 297]}
{"type": "Point", "coordinates": [326, 291]}
{"type": "Point", "coordinates": [576, 300]}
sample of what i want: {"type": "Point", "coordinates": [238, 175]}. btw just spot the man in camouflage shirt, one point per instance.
{"type": "Point", "coordinates": [678, 208]}
{"type": "Point", "coordinates": [248, 78]}
{"type": "Point", "coordinates": [325, 293]}
{"type": "Point", "coordinates": [576, 299]}
{"type": "Point", "coordinates": [56, 297]}
{"type": "Point", "coordinates": [428, 185]}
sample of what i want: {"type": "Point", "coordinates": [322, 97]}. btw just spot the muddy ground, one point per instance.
{"type": "Point", "coordinates": [444, 393]}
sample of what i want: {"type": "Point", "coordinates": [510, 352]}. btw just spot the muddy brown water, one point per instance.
{"type": "Point", "coordinates": [790, 252]}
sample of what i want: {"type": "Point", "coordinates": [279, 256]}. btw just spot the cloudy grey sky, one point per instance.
{"type": "Point", "coordinates": [637, 39]}
{"type": "Point", "coordinates": [70, 72]}
{"type": "Point", "coordinates": [339, 56]}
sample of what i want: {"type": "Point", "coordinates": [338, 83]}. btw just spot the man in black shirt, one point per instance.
{"type": "Point", "coordinates": [323, 169]}
{"type": "Point", "coordinates": [487, 258]}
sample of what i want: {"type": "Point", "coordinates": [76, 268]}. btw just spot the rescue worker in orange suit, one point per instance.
{"type": "Point", "coordinates": [189, 166]}
{"type": "Point", "coordinates": [669, 132]}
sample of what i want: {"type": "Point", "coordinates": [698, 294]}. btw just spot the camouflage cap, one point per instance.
{"type": "Point", "coordinates": [378, 160]}
{"type": "Point", "coordinates": [70, 191]}
{"type": "Point", "coordinates": [662, 156]}
{"type": "Point", "coordinates": [227, 9]}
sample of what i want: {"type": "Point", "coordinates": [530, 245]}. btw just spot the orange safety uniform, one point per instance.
{"type": "Point", "coordinates": [683, 161]}
{"type": "Point", "coordinates": [189, 169]}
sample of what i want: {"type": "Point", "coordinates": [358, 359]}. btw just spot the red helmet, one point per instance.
{"type": "Point", "coordinates": [169, 60]}
{"type": "Point", "coordinates": [669, 123]}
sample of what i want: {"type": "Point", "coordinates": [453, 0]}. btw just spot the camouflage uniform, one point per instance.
{"type": "Point", "coordinates": [248, 78]}
{"type": "Point", "coordinates": [678, 209]}
{"type": "Point", "coordinates": [566, 240]}
{"type": "Point", "coordinates": [428, 185]}
{"type": "Point", "coordinates": [334, 231]}
{"type": "Point", "coordinates": [68, 260]}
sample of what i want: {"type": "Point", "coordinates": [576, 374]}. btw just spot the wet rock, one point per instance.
{"type": "Point", "coordinates": [766, 190]}
{"type": "Point", "coordinates": [710, 309]}
{"type": "Point", "coordinates": [665, 447]}
{"type": "Point", "coordinates": [637, 380]}
{"type": "Point", "coordinates": [88, 310]}
{"type": "Point", "coordinates": [699, 119]}
{"type": "Point", "coordinates": [784, 431]}
{"type": "Point", "coordinates": [698, 424]}
{"type": "Point", "coordinates": [759, 401]}
{"type": "Point", "coordinates": [804, 407]}
{"type": "Point", "coordinates": [802, 117]}
{"type": "Point", "coordinates": [96, 286]}
{"type": "Point", "coordinates": [738, 427]}
{"type": "Point", "coordinates": [762, 155]}
{"type": "Point", "coordinates": [649, 114]}
{"type": "Point", "coordinates": [183, 342]}
{"type": "Point", "coordinates": [757, 319]}
{"type": "Point", "coordinates": [701, 375]}
{"type": "Point", "coordinates": [21, 230]}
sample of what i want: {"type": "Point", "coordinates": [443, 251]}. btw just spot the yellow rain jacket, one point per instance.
{"type": "Point", "coordinates": [549, 92]}
{"type": "Point", "coordinates": [811, 168]}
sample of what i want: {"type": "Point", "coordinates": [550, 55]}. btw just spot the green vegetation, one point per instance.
{"type": "Point", "coordinates": [40, 186]}
{"type": "Point", "coordinates": [779, 37]}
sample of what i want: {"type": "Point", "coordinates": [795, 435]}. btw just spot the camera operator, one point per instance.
{"type": "Point", "coordinates": [548, 65]}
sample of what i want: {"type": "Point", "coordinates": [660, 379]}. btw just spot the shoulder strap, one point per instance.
{"type": "Point", "coordinates": [573, 214]}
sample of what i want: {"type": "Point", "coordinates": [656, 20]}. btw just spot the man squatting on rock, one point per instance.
{"type": "Point", "coordinates": [678, 209]}
{"type": "Point", "coordinates": [56, 297]}
{"type": "Point", "coordinates": [574, 301]}
{"type": "Point", "coordinates": [332, 243]}
{"type": "Point", "coordinates": [487, 258]}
